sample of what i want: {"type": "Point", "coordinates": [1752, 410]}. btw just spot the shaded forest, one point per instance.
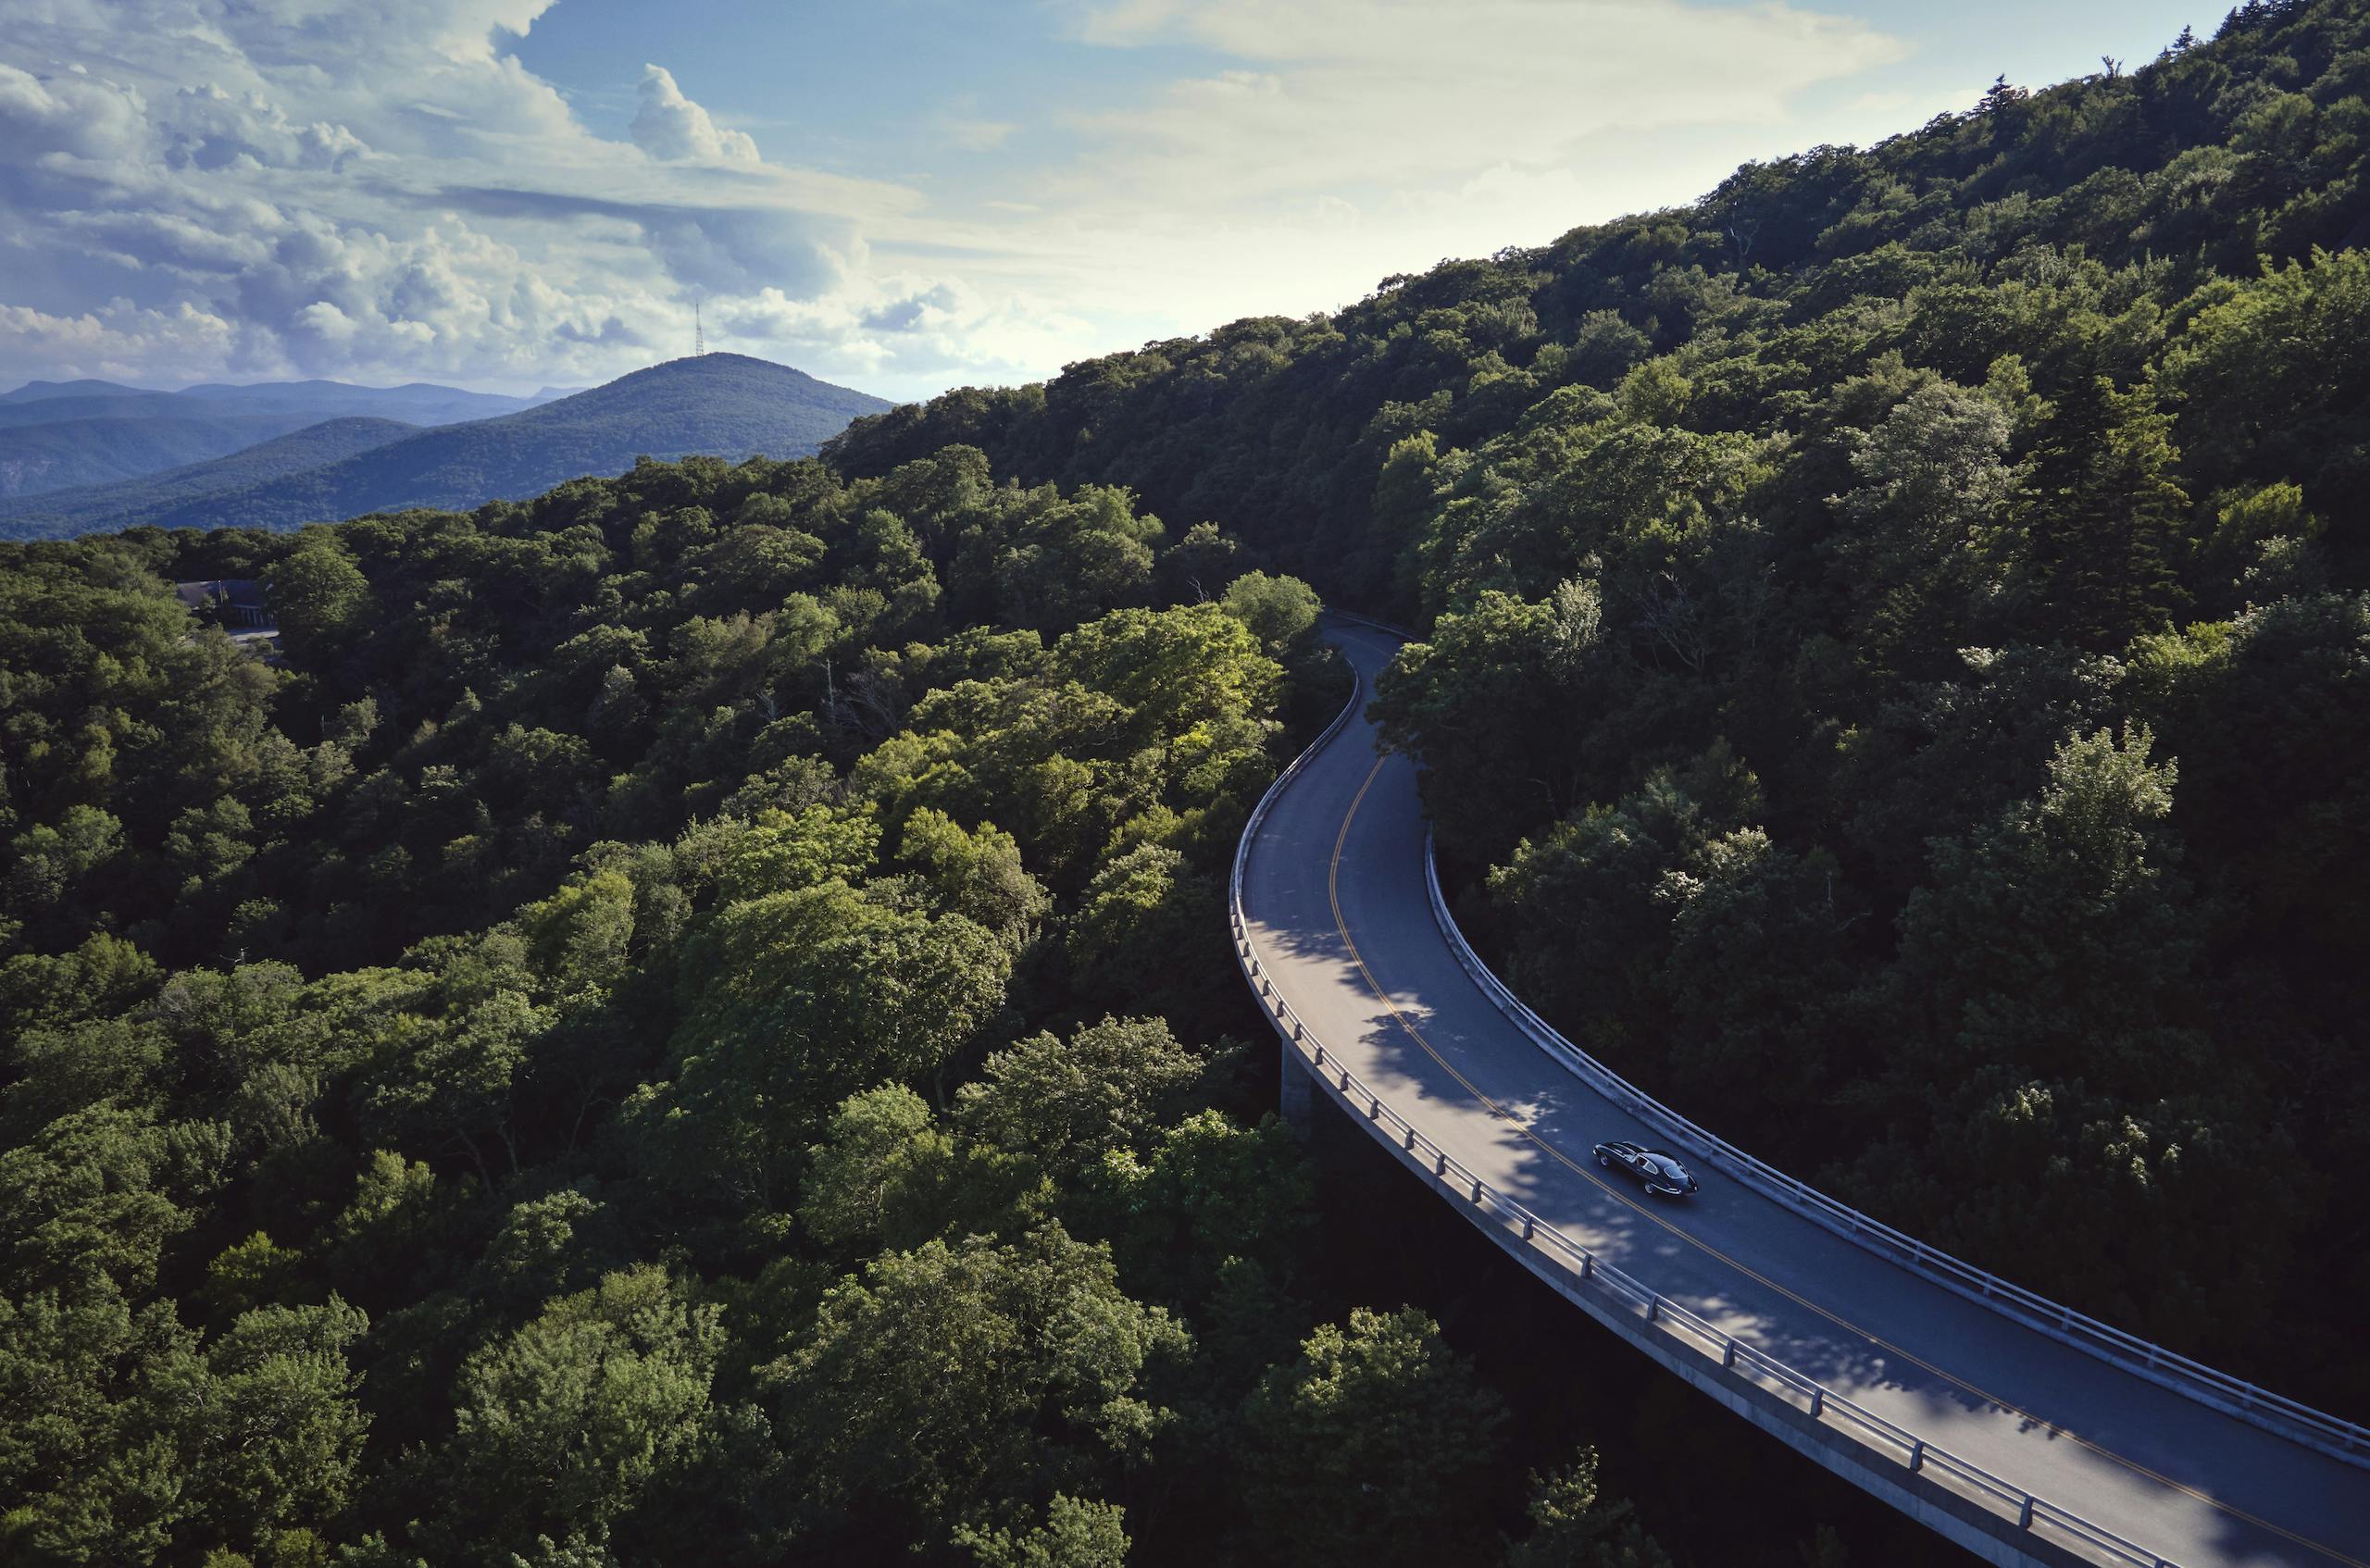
{"type": "Point", "coordinates": [695, 1009]}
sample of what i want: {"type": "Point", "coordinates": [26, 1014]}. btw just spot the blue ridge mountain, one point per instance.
{"type": "Point", "coordinates": [63, 435]}
{"type": "Point", "coordinates": [158, 498]}
{"type": "Point", "coordinates": [45, 391]}
{"type": "Point", "coordinates": [62, 455]}
{"type": "Point", "coordinates": [719, 405]}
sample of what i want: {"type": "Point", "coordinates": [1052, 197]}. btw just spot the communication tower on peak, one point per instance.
{"type": "Point", "coordinates": [699, 338]}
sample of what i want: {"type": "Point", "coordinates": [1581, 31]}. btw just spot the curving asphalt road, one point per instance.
{"type": "Point", "coordinates": [1334, 898]}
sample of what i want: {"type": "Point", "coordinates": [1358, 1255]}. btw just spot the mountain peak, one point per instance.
{"type": "Point", "coordinates": [726, 405]}
{"type": "Point", "coordinates": [714, 362]}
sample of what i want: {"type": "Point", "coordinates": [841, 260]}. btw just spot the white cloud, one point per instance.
{"type": "Point", "coordinates": [118, 341]}
{"type": "Point", "coordinates": [377, 189]}
{"type": "Point", "coordinates": [373, 188]}
{"type": "Point", "coordinates": [74, 114]}
{"type": "Point", "coordinates": [326, 319]}
{"type": "Point", "coordinates": [670, 126]}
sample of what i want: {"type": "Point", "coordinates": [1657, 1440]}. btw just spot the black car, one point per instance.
{"type": "Point", "coordinates": [1657, 1168]}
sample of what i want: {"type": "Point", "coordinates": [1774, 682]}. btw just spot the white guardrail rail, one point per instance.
{"type": "Point", "coordinates": [2290, 1418]}
{"type": "Point", "coordinates": [1585, 1276]}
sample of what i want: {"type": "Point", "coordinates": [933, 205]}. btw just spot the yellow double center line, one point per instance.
{"type": "Point", "coordinates": [1333, 895]}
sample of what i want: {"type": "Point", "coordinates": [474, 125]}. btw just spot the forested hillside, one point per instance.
{"type": "Point", "coordinates": [692, 1009]}
{"type": "Point", "coordinates": [138, 502]}
{"type": "Point", "coordinates": [1898, 671]}
{"type": "Point", "coordinates": [36, 460]}
{"type": "Point", "coordinates": [689, 1016]}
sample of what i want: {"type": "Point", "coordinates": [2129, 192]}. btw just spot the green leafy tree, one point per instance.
{"type": "Point", "coordinates": [1139, 914]}
{"type": "Point", "coordinates": [397, 1231]}
{"type": "Point", "coordinates": [1751, 977]}
{"type": "Point", "coordinates": [782, 851]}
{"type": "Point", "coordinates": [978, 875]}
{"type": "Point", "coordinates": [318, 597]}
{"type": "Point", "coordinates": [1377, 1446]}
{"type": "Point", "coordinates": [1176, 671]}
{"type": "Point", "coordinates": [97, 1193]}
{"type": "Point", "coordinates": [1209, 1193]}
{"type": "Point", "coordinates": [1199, 566]}
{"type": "Point", "coordinates": [570, 1424]}
{"type": "Point", "coordinates": [270, 1434]}
{"type": "Point", "coordinates": [1926, 546]}
{"type": "Point", "coordinates": [1574, 1525]}
{"type": "Point", "coordinates": [952, 1378]}
{"type": "Point", "coordinates": [581, 938]}
{"type": "Point", "coordinates": [88, 1469]}
{"type": "Point", "coordinates": [2054, 936]}
{"type": "Point", "coordinates": [64, 1069]}
{"type": "Point", "coordinates": [1066, 1103]}
{"type": "Point", "coordinates": [1278, 610]}
{"type": "Point", "coordinates": [451, 1084]}
{"type": "Point", "coordinates": [48, 865]}
{"type": "Point", "coordinates": [128, 1441]}
{"type": "Point", "coordinates": [1078, 1532]}
{"type": "Point", "coordinates": [2107, 518]}
{"type": "Point", "coordinates": [795, 1000]}
{"type": "Point", "coordinates": [887, 1177]}
{"type": "Point", "coordinates": [1469, 705]}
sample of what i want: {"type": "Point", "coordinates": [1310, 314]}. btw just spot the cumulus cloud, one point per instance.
{"type": "Point", "coordinates": [670, 126]}
{"type": "Point", "coordinates": [375, 188]}
{"type": "Point", "coordinates": [901, 330]}
{"type": "Point", "coordinates": [72, 114]}
{"type": "Point", "coordinates": [208, 129]}
{"type": "Point", "coordinates": [115, 341]}
{"type": "Point", "coordinates": [327, 320]}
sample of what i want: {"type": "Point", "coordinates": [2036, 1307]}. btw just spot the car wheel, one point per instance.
{"type": "Point", "coordinates": [1605, 1160]}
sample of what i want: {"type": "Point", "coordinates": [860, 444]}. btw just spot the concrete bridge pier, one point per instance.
{"type": "Point", "coordinates": [1296, 1094]}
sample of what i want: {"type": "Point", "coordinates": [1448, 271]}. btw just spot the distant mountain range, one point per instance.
{"type": "Point", "coordinates": [189, 489]}
{"type": "Point", "coordinates": [61, 454]}
{"type": "Point", "coordinates": [720, 404]}
{"type": "Point", "coordinates": [61, 435]}
{"type": "Point", "coordinates": [42, 391]}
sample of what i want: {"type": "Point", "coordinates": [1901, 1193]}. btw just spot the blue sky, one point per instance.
{"type": "Point", "coordinates": [903, 195]}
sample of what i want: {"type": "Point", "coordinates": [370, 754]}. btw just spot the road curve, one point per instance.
{"type": "Point", "coordinates": [1335, 908]}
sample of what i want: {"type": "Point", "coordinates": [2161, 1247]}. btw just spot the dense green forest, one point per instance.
{"type": "Point", "coordinates": [690, 1016]}
{"type": "Point", "coordinates": [1897, 671]}
{"type": "Point", "coordinates": [691, 1009]}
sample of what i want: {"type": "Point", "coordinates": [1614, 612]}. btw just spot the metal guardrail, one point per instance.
{"type": "Point", "coordinates": [1587, 1276]}
{"type": "Point", "coordinates": [2277, 1412]}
